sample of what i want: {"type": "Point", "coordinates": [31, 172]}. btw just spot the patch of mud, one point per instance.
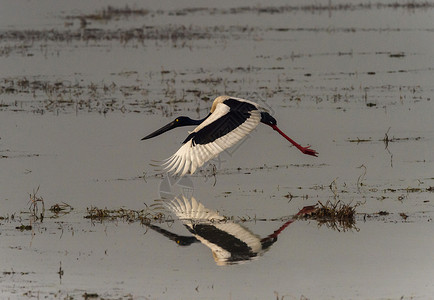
{"type": "Point", "coordinates": [93, 29]}
{"type": "Point", "coordinates": [156, 89]}
{"type": "Point", "coordinates": [163, 33]}
{"type": "Point", "coordinates": [34, 42]}
{"type": "Point", "coordinates": [113, 13]}
{"type": "Point", "coordinates": [187, 93]}
{"type": "Point", "coordinates": [144, 216]}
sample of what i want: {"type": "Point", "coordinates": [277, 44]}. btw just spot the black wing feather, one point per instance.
{"type": "Point", "coordinates": [239, 112]}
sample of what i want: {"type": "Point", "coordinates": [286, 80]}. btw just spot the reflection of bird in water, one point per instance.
{"type": "Point", "coordinates": [230, 242]}
{"type": "Point", "coordinates": [229, 121]}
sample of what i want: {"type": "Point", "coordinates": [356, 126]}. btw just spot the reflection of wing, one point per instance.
{"type": "Point", "coordinates": [230, 242]}
{"type": "Point", "coordinates": [192, 210]}
{"type": "Point", "coordinates": [179, 239]}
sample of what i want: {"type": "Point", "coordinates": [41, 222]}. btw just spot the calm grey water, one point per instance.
{"type": "Point", "coordinates": [82, 83]}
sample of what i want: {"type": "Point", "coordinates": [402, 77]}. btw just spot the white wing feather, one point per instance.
{"type": "Point", "coordinates": [192, 156]}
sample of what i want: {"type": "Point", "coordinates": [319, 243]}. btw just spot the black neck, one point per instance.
{"type": "Point", "coordinates": [198, 122]}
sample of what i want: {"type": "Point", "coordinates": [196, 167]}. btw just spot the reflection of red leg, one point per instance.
{"type": "Point", "coordinates": [278, 231]}
{"type": "Point", "coordinates": [305, 150]}
{"type": "Point", "coordinates": [305, 210]}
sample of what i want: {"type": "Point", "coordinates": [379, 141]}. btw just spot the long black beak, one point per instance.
{"type": "Point", "coordinates": [168, 127]}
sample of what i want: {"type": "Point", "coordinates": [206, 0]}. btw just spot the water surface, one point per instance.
{"type": "Point", "coordinates": [81, 84]}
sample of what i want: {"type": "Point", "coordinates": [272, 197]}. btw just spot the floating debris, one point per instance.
{"type": "Point", "coordinates": [398, 55]}
{"type": "Point", "coordinates": [60, 209]}
{"type": "Point", "coordinates": [56, 208]}
{"type": "Point", "coordinates": [87, 295]}
{"type": "Point", "coordinates": [24, 227]}
{"type": "Point", "coordinates": [383, 213]}
{"type": "Point", "coordinates": [403, 216]}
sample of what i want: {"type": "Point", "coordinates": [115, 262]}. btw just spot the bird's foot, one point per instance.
{"type": "Point", "coordinates": [308, 151]}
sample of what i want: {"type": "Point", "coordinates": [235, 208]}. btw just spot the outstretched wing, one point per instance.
{"type": "Point", "coordinates": [231, 120]}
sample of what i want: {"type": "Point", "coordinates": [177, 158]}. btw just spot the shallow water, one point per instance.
{"type": "Point", "coordinates": [81, 85]}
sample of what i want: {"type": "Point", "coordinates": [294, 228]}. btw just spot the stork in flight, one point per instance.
{"type": "Point", "coordinates": [228, 122]}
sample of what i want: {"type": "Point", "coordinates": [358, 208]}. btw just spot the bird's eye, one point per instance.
{"type": "Point", "coordinates": [176, 120]}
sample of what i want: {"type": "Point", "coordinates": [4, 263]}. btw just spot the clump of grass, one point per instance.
{"type": "Point", "coordinates": [336, 215]}
{"type": "Point", "coordinates": [144, 216]}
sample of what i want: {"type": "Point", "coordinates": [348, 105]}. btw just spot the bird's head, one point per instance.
{"type": "Point", "coordinates": [182, 121]}
{"type": "Point", "coordinates": [266, 118]}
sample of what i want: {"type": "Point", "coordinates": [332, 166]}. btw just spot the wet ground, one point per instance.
{"type": "Point", "coordinates": [81, 83]}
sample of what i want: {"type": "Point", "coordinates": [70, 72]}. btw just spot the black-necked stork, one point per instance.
{"type": "Point", "coordinates": [228, 122]}
{"type": "Point", "coordinates": [230, 242]}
